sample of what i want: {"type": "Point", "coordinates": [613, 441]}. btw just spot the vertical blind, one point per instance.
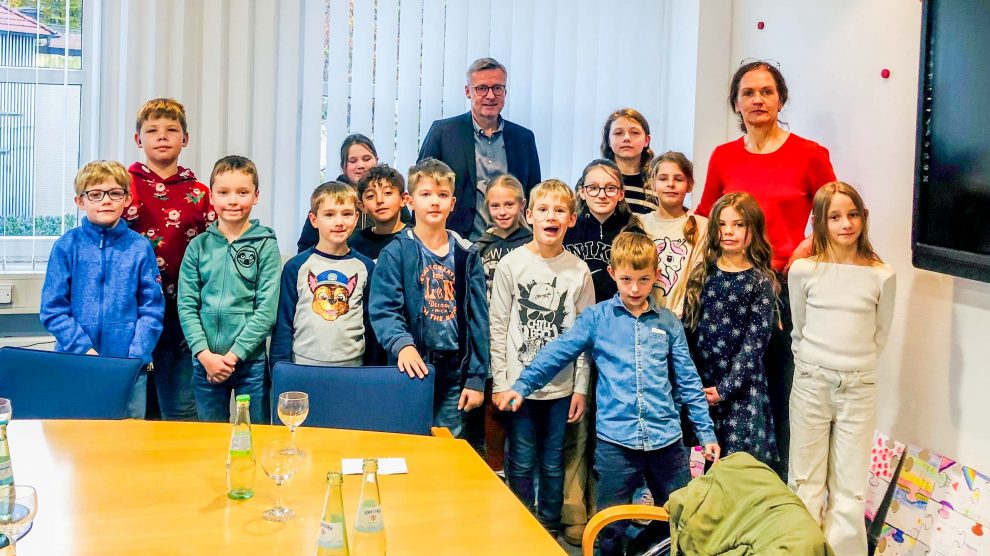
{"type": "Point", "coordinates": [284, 82]}
{"type": "Point", "coordinates": [394, 66]}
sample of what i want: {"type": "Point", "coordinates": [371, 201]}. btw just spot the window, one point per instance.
{"type": "Point", "coordinates": [40, 101]}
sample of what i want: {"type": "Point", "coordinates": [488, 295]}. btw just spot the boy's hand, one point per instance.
{"type": "Point", "coordinates": [711, 394]}
{"type": "Point", "coordinates": [470, 399]}
{"type": "Point", "coordinates": [231, 360]}
{"type": "Point", "coordinates": [497, 398]}
{"type": "Point", "coordinates": [712, 452]}
{"type": "Point", "coordinates": [510, 401]}
{"type": "Point", "coordinates": [92, 351]}
{"type": "Point", "coordinates": [579, 402]}
{"type": "Point", "coordinates": [216, 367]}
{"type": "Point", "coordinates": [411, 363]}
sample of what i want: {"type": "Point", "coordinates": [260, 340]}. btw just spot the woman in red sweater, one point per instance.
{"type": "Point", "coordinates": [782, 171]}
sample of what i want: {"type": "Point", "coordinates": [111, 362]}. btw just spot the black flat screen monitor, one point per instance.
{"type": "Point", "coordinates": [951, 226]}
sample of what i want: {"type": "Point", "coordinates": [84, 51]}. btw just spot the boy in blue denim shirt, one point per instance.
{"type": "Point", "coordinates": [428, 300]}
{"type": "Point", "coordinates": [102, 292]}
{"type": "Point", "coordinates": [638, 347]}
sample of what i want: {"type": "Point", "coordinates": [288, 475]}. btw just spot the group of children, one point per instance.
{"type": "Point", "coordinates": [587, 324]}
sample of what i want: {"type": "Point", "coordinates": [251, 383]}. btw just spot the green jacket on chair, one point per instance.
{"type": "Point", "coordinates": [741, 508]}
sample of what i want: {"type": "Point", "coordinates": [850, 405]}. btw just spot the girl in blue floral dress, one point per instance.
{"type": "Point", "coordinates": [728, 314]}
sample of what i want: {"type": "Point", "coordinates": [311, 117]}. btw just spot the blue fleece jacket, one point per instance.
{"type": "Point", "coordinates": [103, 291]}
{"type": "Point", "coordinates": [396, 307]}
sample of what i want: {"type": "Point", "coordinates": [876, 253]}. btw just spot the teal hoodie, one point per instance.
{"type": "Point", "coordinates": [228, 292]}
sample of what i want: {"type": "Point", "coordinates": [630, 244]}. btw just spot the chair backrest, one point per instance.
{"type": "Point", "coordinates": [381, 399]}
{"type": "Point", "coordinates": [49, 385]}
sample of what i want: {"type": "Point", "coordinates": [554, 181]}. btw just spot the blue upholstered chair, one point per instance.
{"type": "Point", "coordinates": [49, 385]}
{"type": "Point", "coordinates": [381, 399]}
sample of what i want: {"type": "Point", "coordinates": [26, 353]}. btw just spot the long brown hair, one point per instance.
{"type": "Point", "coordinates": [759, 253]}
{"type": "Point", "coordinates": [622, 207]}
{"type": "Point", "coordinates": [691, 231]}
{"type": "Point", "coordinates": [821, 249]}
{"type": "Point", "coordinates": [636, 116]}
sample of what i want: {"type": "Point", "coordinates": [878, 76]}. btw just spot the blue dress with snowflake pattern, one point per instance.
{"type": "Point", "coordinates": [727, 346]}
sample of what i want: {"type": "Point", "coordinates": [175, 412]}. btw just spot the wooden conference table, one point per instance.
{"type": "Point", "coordinates": [137, 487]}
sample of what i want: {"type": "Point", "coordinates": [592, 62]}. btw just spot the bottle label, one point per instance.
{"type": "Point", "coordinates": [369, 518]}
{"type": "Point", "coordinates": [6, 471]}
{"type": "Point", "coordinates": [331, 534]}
{"type": "Point", "coordinates": [240, 443]}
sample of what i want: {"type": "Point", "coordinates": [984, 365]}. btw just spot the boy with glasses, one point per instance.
{"type": "Point", "coordinates": [102, 292]}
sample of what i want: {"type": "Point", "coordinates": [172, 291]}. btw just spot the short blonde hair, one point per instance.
{"type": "Point", "coordinates": [100, 171]}
{"type": "Point", "coordinates": [557, 189]}
{"type": "Point", "coordinates": [431, 168]}
{"type": "Point", "coordinates": [235, 163]}
{"type": "Point", "coordinates": [335, 191]}
{"type": "Point", "coordinates": [162, 108]}
{"type": "Point", "coordinates": [632, 248]}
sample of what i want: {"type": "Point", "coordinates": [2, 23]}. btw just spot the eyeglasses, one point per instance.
{"type": "Point", "coordinates": [482, 90]}
{"type": "Point", "coordinates": [595, 190]}
{"type": "Point", "coordinates": [96, 195]}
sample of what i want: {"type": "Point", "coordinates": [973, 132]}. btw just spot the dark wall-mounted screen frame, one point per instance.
{"type": "Point", "coordinates": [951, 221]}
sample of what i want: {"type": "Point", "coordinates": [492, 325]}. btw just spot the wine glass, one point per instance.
{"type": "Point", "coordinates": [293, 407]}
{"type": "Point", "coordinates": [5, 411]}
{"type": "Point", "coordinates": [280, 460]}
{"type": "Point", "coordinates": [18, 506]}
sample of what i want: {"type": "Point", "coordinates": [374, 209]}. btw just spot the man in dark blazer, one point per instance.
{"type": "Point", "coordinates": [480, 145]}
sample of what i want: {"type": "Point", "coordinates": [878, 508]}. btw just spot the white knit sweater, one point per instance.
{"type": "Point", "coordinates": [841, 313]}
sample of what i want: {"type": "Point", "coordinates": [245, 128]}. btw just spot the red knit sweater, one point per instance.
{"type": "Point", "coordinates": [784, 182]}
{"type": "Point", "coordinates": [169, 212]}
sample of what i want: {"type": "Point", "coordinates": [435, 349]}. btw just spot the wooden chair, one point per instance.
{"type": "Point", "coordinates": [616, 513]}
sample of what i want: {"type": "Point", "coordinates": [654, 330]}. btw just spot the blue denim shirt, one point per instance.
{"type": "Point", "coordinates": [638, 407]}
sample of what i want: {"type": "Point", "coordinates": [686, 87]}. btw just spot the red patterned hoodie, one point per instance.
{"type": "Point", "coordinates": [169, 212]}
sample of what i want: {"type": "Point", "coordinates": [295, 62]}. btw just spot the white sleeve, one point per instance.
{"type": "Point", "coordinates": [797, 284]}
{"type": "Point", "coordinates": [582, 369]}
{"type": "Point", "coordinates": [498, 326]}
{"type": "Point", "coordinates": [885, 310]}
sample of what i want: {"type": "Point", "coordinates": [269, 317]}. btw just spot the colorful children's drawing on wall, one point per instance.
{"type": "Point", "coordinates": [913, 491]}
{"type": "Point", "coordinates": [893, 542]}
{"type": "Point", "coordinates": [885, 456]}
{"type": "Point", "coordinates": [958, 515]}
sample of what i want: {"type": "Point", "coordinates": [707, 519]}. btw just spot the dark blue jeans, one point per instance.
{"type": "Point", "coordinates": [447, 386]}
{"type": "Point", "coordinates": [173, 370]}
{"type": "Point", "coordinates": [536, 437]}
{"type": "Point", "coordinates": [213, 400]}
{"type": "Point", "coordinates": [621, 470]}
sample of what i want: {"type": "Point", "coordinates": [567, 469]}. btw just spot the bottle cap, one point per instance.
{"type": "Point", "coordinates": [335, 477]}
{"type": "Point", "coordinates": [243, 398]}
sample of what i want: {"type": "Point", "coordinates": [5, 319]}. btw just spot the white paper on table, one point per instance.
{"type": "Point", "coordinates": [386, 466]}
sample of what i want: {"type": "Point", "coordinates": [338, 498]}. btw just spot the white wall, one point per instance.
{"type": "Point", "coordinates": [934, 373]}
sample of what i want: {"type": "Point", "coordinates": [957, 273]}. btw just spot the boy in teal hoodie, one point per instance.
{"type": "Point", "coordinates": [228, 295]}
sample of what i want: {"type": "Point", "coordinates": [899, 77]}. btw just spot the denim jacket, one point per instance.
{"type": "Point", "coordinates": [638, 407]}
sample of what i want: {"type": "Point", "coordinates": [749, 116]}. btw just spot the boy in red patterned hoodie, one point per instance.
{"type": "Point", "coordinates": [169, 207]}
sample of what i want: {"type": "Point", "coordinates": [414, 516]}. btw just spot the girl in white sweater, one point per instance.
{"type": "Point", "coordinates": [842, 299]}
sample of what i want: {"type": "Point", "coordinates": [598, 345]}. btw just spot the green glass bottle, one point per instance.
{"type": "Point", "coordinates": [333, 536]}
{"type": "Point", "coordinates": [240, 458]}
{"type": "Point", "coordinates": [369, 526]}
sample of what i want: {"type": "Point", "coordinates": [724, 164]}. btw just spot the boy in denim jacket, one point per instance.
{"type": "Point", "coordinates": [639, 347]}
